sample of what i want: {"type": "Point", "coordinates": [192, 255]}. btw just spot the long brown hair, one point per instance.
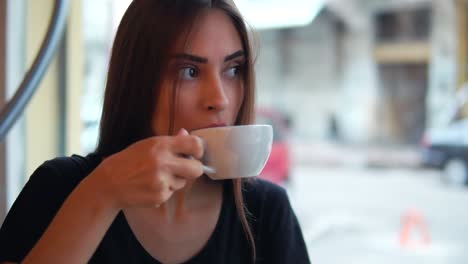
{"type": "Point", "coordinates": [139, 58]}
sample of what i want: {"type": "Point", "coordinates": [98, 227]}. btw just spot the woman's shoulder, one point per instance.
{"type": "Point", "coordinates": [64, 171]}
{"type": "Point", "coordinates": [38, 202]}
{"type": "Point", "coordinates": [74, 166]}
{"type": "Point", "coordinates": [53, 181]}
{"type": "Point", "coordinates": [260, 186]}
{"type": "Point", "coordinates": [262, 193]}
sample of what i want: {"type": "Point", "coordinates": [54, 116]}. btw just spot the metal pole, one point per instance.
{"type": "Point", "coordinates": [17, 104]}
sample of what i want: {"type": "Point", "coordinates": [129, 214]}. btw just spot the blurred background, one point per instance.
{"type": "Point", "coordinates": [367, 99]}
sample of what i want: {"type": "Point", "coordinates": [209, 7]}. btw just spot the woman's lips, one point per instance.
{"type": "Point", "coordinates": [212, 125]}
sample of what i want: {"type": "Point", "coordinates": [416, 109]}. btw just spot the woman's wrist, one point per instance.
{"type": "Point", "coordinates": [97, 194]}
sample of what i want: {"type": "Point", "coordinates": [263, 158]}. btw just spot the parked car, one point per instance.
{"type": "Point", "coordinates": [446, 147]}
{"type": "Point", "coordinates": [278, 166]}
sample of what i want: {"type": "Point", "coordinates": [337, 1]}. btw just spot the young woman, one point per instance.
{"type": "Point", "coordinates": [176, 66]}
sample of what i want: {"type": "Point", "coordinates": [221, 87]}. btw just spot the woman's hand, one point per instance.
{"type": "Point", "coordinates": [148, 172]}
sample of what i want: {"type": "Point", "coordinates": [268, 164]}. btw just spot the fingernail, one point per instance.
{"type": "Point", "coordinates": [182, 131]}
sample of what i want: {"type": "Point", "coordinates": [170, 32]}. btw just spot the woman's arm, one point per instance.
{"type": "Point", "coordinates": [145, 174]}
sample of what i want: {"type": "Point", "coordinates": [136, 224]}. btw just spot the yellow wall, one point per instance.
{"type": "Point", "coordinates": [42, 116]}
{"type": "Point", "coordinates": [42, 112]}
{"type": "Point", "coordinates": [462, 18]}
{"type": "Point", "coordinates": [75, 76]}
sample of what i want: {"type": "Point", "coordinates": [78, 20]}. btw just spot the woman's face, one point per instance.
{"type": "Point", "coordinates": [208, 69]}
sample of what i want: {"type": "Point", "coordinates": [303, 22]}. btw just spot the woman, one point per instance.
{"type": "Point", "coordinates": [176, 66]}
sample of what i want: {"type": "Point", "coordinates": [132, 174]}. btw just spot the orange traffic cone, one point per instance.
{"type": "Point", "coordinates": [414, 219]}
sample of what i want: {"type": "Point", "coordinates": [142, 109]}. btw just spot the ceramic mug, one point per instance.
{"type": "Point", "coordinates": [235, 151]}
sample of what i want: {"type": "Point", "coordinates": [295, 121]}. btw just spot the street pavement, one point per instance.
{"type": "Point", "coordinates": [384, 214]}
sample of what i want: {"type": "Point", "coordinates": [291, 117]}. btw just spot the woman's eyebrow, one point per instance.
{"type": "Point", "coordinates": [234, 55]}
{"type": "Point", "coordinates": [190, 57]}
{"type": "Point", "coordinates": [194, 58]}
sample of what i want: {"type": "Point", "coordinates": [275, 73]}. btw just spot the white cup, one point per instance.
{"type": "Point", "coordinates": [235, 151]}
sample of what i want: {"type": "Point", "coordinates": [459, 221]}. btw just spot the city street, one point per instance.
{"type": "Point", "coordinates": [368, 216]}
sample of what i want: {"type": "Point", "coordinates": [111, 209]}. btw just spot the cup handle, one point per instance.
{"type": "Point", "coordinates": [208, 169]}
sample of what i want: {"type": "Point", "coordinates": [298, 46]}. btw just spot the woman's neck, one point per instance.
{"type": "Point", "coordinates": [195, 195]}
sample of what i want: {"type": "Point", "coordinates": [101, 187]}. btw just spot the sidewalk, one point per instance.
{"type": "Point", "coordinates": [334, 154]}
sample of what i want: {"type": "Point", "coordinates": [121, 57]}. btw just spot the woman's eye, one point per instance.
{"type": "Point", "coordinates": [188, 73]}
{"type": "Point", "coordinates": [233, 71]}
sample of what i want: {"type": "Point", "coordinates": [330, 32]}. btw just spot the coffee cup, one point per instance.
{"type": "Point", "coordinates": [235, 151]}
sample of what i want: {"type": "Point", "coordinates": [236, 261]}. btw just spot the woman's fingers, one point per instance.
{"type": "Point", "coordinates": [177, 183]}
{"type": "Point", "coordinates": [185, 167]}
{"type": "Point", "coordinates": [150, 171]}
{"type": "Point", "coordinates": [163, 187]}
{"type": "Point", "coordinates": [188, 145]}
{"type": "Point", "coordinates": [182, 132]}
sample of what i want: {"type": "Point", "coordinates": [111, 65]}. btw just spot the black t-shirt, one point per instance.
{"type": "Point", "coordinates": [278, 237]}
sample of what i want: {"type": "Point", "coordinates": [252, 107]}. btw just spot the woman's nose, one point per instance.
{"type": "Point", "coordinates": [215, 98]}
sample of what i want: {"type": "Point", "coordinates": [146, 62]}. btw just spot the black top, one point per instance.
{"type": "Point", "coordinates": [278, 236]}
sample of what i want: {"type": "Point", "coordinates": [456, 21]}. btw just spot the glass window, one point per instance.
{"type": "Point", "coordinates": [365, 178]}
